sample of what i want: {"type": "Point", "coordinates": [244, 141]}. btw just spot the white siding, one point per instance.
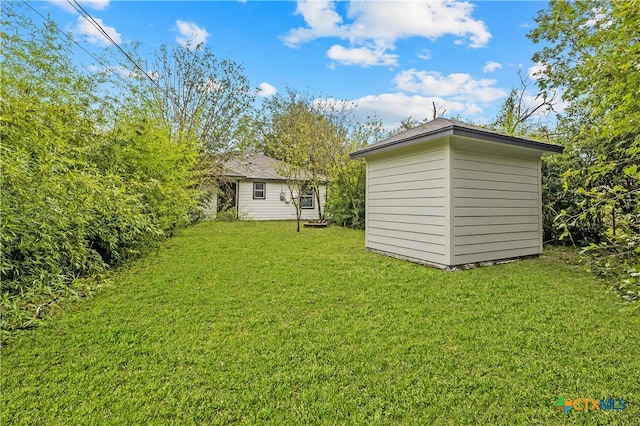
{"type": "Point", "coordinates": [496, 206]}
{"type": "Point", "coordinates": [406, 199]}
{"type": "Point", "coordinates": [272, 208]}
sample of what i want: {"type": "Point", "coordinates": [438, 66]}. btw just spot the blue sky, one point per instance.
{"type": "Point", "coordinates": [391, 58]}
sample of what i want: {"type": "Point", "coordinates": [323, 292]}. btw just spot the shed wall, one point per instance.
{"type": "Point", "coordinates": [272, 208]}
{"type": "Point", "coordinates": [496, 206]}
{"type": "Point", "coordinates": [406, 199]}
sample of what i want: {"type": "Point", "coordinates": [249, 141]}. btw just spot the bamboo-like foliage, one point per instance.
{"type": "Point", "coordinates": [87, 183]}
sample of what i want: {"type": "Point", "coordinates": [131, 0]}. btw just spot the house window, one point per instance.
{"type": "Point", "coordinates": [259, 190]}
{"type": "Point", "coordinates": [307, 197]}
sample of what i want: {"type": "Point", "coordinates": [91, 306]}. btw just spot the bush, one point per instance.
{"type": "Point", "coordinates": [346, 196]}
{"type": "Point", "coordinates": [80, 194]}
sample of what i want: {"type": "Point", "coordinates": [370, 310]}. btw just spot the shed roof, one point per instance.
{"type": "Point", "coordinates": [441, 127]}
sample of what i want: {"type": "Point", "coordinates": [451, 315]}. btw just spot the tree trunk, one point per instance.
{"type": "Point", "coordinates": [317, 191]}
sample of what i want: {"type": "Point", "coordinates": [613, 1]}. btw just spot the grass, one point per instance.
{"type": "Point", "coordinates": [247, 322]}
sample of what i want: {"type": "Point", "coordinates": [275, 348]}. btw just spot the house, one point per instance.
{"type": "Point", "coordinates": [251, 187]}
{"type": "Point", "coordinates": [448, 193]}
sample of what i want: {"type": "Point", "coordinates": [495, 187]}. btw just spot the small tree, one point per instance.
{"type": "Point", "coordinates": [286, 135]}
{"type": "Point", "coordinates": [308, 134]}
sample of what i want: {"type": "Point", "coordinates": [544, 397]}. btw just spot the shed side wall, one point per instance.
{"type": "Point", "coordinates": [496, 206]}
{"type": "Point", "coordinates": [406, 213]}
{"type": "Point", "coordinates": [271, 208]}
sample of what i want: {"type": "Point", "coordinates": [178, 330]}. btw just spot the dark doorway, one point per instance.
{"type": "Point", "coordinates": [227, 196]}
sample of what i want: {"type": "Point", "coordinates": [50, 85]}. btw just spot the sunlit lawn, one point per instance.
{"type": "Point", "coordinates": [252, 323]}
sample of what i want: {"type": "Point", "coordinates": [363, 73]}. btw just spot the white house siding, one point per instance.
{"type": "Point", "coordinates": [496, 206]}
{"type": "Point", "coordinates": [406, 198]}
{"type": "Point", "coordinates": [272, 208]}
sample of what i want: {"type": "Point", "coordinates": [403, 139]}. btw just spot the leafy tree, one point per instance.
{"type": "Point", "coordinates": [517, 113]}
{"type": "Point", "coordinates": [54, 201]}
{"type": "Point", "coordinates": [591, 52]}
{"type": "Point", "coordinates": [287, 131]}
{"type": "Point", "coordinates": [329, 146]}
{"type": "Point", "coordinates": [346, 200]}
{"type": "Point", "coordinates": [198, 95]}
{"type": "Point", "coordinates": [306, 133]}
{"type": "Point", "coordinates": [160, 171]}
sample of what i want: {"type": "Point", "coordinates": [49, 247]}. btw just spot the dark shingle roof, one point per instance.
{"type": "Point", "coordinates": [441, 127]}
{"type": "Point", "coordinates": [253, 166]}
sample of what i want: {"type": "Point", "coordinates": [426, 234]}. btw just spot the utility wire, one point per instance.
{"type": "Point", "coordinates": [86, 15]}
{"type": "Point", "coordinates": [68, 36]}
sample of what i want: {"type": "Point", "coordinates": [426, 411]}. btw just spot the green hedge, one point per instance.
{"type": "Point", "coordinates": [86, 184]}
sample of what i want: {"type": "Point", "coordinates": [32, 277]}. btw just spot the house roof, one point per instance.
{"type": "Point", "coordinates": [441, 127]}
{"type": "Point", "coordinates": [251, 165]}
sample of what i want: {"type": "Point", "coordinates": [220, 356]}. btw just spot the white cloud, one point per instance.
{"type": "Point", "coordinates": [597, 17]}
{"type": "Point", "coordinates": [95, 4]}
{"type": "Point", "coordinates": [362, 56]}
{"type": "Point", "coordinates": [209, 86]}
{"type": "Point", "coordinates": [536, 71]}
{"type": "Point", "coordinates": [381, 24]}
{"type": "Point", "coordinates": [124, 72]}
{"type": "Point", "coordinates": [458, 86]}
{"type": "Point", "coordinates": [530, 101]}
{"type": "Point", "coordinates": [93, 35]}
{"type": "Point", "coordinates": [190, 34]}
{"type": "Point", "coordinates": [491, 66]}
{"type": "Point", "coordinates": [265, 90]}
{"type": "Point", "coordinates": [91, 4]}
{"type": "Point", "coordinates": [388, 21]}
{"type": "Point", "coordinates": [322, 20]}
{"type": "Point", "coordinates": [425, 54]}
{"type": "Point", "coordinates": [392, 107]}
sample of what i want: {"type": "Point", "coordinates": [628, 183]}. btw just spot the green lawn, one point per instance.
{"type": "Point", "coordinates": [252, 323]}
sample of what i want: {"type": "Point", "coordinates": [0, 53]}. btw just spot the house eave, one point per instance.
{"type": "Point", "coordinates": [454, 130]}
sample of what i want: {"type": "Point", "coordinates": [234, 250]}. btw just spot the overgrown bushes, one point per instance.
{"type": "Point", "coordinates": [81, 192]}
{"type": "Point", "coordinates": [346, 195]}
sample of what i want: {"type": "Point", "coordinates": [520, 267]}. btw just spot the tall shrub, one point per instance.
{"type": "Point", "coordinates": [79, 193]}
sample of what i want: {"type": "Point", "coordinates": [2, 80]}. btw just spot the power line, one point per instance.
{"type": "Point", "coordinates": [74, 42]}
{"type": "Point", "coordinates": [86, 15]}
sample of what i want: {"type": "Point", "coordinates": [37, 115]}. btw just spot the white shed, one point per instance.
{"type": "Point", "coordinates": [448, 193]}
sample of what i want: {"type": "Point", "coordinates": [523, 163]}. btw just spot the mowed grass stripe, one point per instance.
{"type": "Point", "coordinates": [250, 322]}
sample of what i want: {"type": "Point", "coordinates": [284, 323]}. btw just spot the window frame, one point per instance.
{"type": "Point", "coordinates": [263, 190]}
{"type": "Point", "coordinates": [308, 192]}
